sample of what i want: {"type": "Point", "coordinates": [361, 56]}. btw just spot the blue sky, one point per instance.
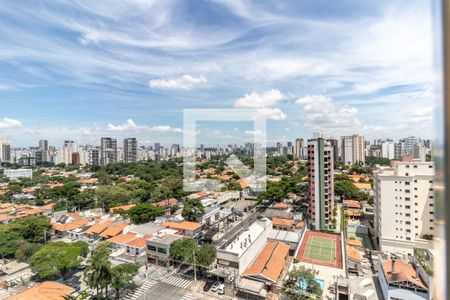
{"type": "Point", "coordinates": [84, 69]}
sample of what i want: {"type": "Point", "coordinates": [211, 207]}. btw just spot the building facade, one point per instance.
{"type": "Point", "coordinates": [108, 150]}
{"type": "Point", "coordinates": [404, 206]}
{"type": "Point", "coordinates": [320, 182]}
{"type": "Point", "coordinates": [129, 150]}
{"type": "Point", "coordinates": [353, 149]}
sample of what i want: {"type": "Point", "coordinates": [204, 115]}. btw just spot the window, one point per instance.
{"type": "Point", "coordinates": [162, 250]}
{"type": "Point", "coordinates": [151, 248]}
{"type": "Point", "coordinates": [407, 182]}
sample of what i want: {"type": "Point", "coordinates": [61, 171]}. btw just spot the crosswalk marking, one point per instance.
{"type": "Point", "coordinates": [188, 297]}
{"type": "Point", "coordinates": [176, 281]}
{"type": "Point", "coordinates": [148, 284]}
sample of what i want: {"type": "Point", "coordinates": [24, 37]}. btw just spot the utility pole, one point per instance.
{"type": "Point", "coordinates": [45, 236]}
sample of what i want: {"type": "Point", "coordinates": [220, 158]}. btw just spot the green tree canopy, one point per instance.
{"type": "Point", "coordinates": [35, 230]}
{"type": "Point", "coordinates": [193, 209]}
{"type": "Point", "coordinates": [122, 275]}
{"type": "Point", "coordinates": [310, 288]}
{"type": "Point", "coordinates": [144, 212]}
{"type": "Point", "coordinates": [56, 259]}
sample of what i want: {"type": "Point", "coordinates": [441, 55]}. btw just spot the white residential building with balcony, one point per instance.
{"type": "Point", "coordinates": [404, 206]}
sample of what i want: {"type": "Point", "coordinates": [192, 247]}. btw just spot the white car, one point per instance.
{"type": "Point", "coordinates": [215, 286]}
{"type": "Point", "coordinates": [221, 289]}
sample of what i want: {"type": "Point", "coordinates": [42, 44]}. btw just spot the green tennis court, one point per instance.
{"type": "Point", "coordinates": [321, 249]}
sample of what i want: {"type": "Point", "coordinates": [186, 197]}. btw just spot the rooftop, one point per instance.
{"type": "Point", "coordinates": [245, 238]}
{"type": "Point", "coordinates": [149, 228]}
{"type": "Point", "coordinates": [185, 225]}
{"type": "Point", "coordinates": [98, 227]}
{"type": "Point", "coordinates": [282, 222]}
{"type": "Point", "coordinates": [47, 290]}
{"type": "Point", "coordinates": [403, 272]}
{"type": "Point", "coordinates": [270, 262]}
{"type": "Point", "coordinates": [165, 239]}
{"type": "Point", "coordinates": [113, 230]}
{"type": "Point", "coordinates": [122, 238]}
{"type": "Point", "coordinates": [122, 207]}
{"type": "Point", "coordinates": [352, 203]}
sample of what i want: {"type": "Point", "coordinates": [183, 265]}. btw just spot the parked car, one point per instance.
{"type": "Point", "coordinates": [208, 285]}
{"type": "Point", "coordinates": [221, 289]}
{"type": "Point", "coordinates": [215, 286]}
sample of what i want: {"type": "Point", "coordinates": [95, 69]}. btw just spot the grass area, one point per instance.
{"type": "Point", "coordinates": [321, 249]}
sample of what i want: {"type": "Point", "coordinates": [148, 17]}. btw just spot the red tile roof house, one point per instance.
{"type": "Point", "coordinates": [186, 228]}
{"type": "Point", "coordinates": [268, 265]}
{"type": "Point", "coordinates": [129, 247]}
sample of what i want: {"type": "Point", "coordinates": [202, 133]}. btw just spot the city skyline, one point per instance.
{"type": "Point", "coordinates": [84, 74]}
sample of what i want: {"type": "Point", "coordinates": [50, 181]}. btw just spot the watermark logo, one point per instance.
{"type": "Point", "coordinates": [255, 178]}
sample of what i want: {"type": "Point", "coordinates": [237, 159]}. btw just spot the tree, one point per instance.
{"type": "Point", "coordinates": [143, 213]}
{"type": "Point", "coordinates": [372, 160]}
{"type": "Point", "coordinates": [98, 272]}
{"type": "Point", "coordinates": [186, 250]}
{"type": "Point", "coordinates": [309, 288]}
{"type": "Point", "coordinates": [234, 186]}
{"type": "Point", "coordinates": [181, 249]}
{"type": "Point", "coordinates": [346, 188]}
{"type": "Point", "coordinates": [56, 259]}
{"type": "Point", "coordinates": [205, 256]}
{"type": "Point", "coordinates": [193, 209]}
{"type": "Point", "coordinates": [122, 275]}
{"type": "Point", "coordinates": [32, 230]}
{"type": "Point", "coordinates": [26, 250]}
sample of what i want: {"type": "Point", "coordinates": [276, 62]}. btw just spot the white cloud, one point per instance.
{"type": "Point", "coordinates": [185, 82]}
{"type": "Point", "coordinates": [321, 113]}
{"type": "Point", "coordinates": [130, 125]}
{"type": "Point", "coordinates": [271, 113]}
{"type": "Point", "coordinates": [260, 100]}
{"type": "Point", "coordinates": [8, 123]}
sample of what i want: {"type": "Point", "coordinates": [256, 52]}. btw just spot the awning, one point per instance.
{"type": "Point", "coordinates": [252, 287]}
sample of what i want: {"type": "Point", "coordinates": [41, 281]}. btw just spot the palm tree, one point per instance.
{"type": "Point", "coordinates": [122, 275]}
{"type": "Point", "coordinates": [98, 270]}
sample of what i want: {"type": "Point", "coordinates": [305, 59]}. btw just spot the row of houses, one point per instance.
{"type": "Point", "coordinates": [131, 243]}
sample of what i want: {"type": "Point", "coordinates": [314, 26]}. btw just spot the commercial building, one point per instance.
{"type": "Point", "coordinates": [158, 246]}
{"type": "Point", "coordinates": [239, 252]}
{"type": "Point", "coordinates": [129, 150]}
{"type": "Point", "coordinates": [320, 182]}
{"type": "Point", "coordinates": [16, 174]}
{"type": "Point", "coordinates": [353, 149]}
{"type": "Point", "coordinates": [404, 206]}
{"type": "Point", "coordinates": [108, 150]}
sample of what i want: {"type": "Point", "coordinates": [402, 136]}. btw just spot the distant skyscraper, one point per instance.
{"type": "Point", "coordinates": [5, 151]}
{"type": "Point", "coordinates": [299, 145]}
{"type": "Point", "coordinates": [129, 150]}
{"type": "Point", "coordinates": [353, 149]}
{"type": "Point", "coordinates": [41, 156]}
{"type": "Point", "coordinates": [76, 158]}
{"type": "Point", "coordinates": [320, 182]}
{"type": "Point", "coordinates": [94, 157]}
{"type": "Point", "coordinates": [108, 150]}
{"type": "Point", "coordinates": [335, 146]}
{"type": "Point", "coordinates": [388, 149]}
{"type": "Point", "coordinates": [409, 144]}
{"type": "Point", "coordinates": [157, 147]}
{"type": "Point", "coordinates": [43, 145]}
